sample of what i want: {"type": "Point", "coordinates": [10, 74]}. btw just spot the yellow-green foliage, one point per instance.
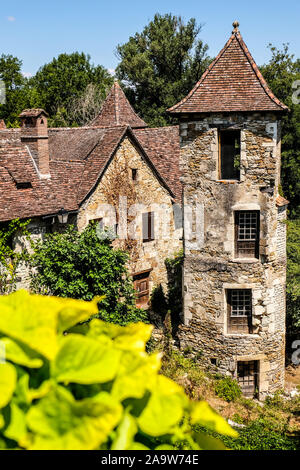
{"type": "Point", "coordinates": [92, 388]}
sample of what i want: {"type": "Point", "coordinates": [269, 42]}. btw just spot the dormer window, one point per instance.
{"type": "Point", "coordinates": [229, 154]}
{"type": "Point", "coordinates": [23, 185]}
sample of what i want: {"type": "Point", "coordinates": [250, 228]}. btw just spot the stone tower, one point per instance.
{"type": "Point", "coordinates": [234, 237]}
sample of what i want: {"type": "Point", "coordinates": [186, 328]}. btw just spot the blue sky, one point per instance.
{"type": "Point", "coordinates": [38, 30]}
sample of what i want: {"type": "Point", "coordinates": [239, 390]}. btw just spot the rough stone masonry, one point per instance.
{"type": "Point", "coordinates": [222, 285]}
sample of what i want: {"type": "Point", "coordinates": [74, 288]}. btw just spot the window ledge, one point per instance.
{"type": "Point", "coordinates": [241, 335]}
{"type": "Point", "coordinates": [228, 181]}
{"type": "Point", "coordinates": [245, 260]}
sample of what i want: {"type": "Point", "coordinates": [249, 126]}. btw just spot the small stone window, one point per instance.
{"type": "Point", "coordinates": [247, 234]}
{"type": "Point", "coordinates": [148, 226]}
{"type": "Point", "coordinates": [239, 311]}
{"type": "Point", "coordinates": [99, 222]}
{"type": "Point", "coordinates": [247, 376]}
{"type": "Point", "coordinates": [229, 154]}
{"type": "Point", "coordinates": [134, 174]}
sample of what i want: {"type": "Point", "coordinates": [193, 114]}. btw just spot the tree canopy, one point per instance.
{"type": "Point", "coordinates": [64, 79]}
{"type": "Point", "coordinates": [18, 95]}
{"type": "Point", "coordinates": [57, 87]}
{"type": "Point", "coordinates": [160, 65]}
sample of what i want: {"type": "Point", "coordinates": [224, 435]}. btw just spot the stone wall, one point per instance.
{"type": "Point", "coordinates": [132, 198]}
{"type": "Point", "coordinates": [210, 267]}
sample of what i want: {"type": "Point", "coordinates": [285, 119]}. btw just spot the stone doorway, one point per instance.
{"type": "Point", "coordinates": [247, 376]}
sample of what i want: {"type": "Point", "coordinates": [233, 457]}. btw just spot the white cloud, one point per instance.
{"type": "Point", "coordinates": [11, 18]}
{"type": "Point", "coordinates": [111, 71]}
{"type": "Point", "coordinates": [27, 74]}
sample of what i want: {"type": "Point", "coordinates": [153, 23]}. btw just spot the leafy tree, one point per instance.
{"type": "Point", "coordinates": [281, 74]}
{"type": "Point", "coordinates": [65, 79]}
{"type": "Point", "coordinates": [293, 277]}
{"type": "Point", "coordinates": [82, 266]}
{"type": "Point", "coordinates": [161, 65]}
{"type": "Point", "coordinates": [10, 73]}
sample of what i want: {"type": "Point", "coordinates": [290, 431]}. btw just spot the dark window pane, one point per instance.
{"type": "Point", "coordinates": [230, 155]}
{"type": "Point", "coordinates": [134, 174]}
{"type": "Point", "coordinates": [148, 226]}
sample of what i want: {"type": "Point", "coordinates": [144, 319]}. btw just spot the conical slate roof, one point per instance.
{"type": "Point", "coordinates": [232, 83]}
{"type": "Point", "coordinates": [117, 111]}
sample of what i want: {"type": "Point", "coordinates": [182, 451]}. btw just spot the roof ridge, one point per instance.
{"type": "Point", "coordinates": [117, 104]}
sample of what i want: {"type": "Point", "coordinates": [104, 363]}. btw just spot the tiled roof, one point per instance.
{"type": "Point", "coordinates": [32, 112]}
{"type": "Point", "coordinates": [162, 147]}
{"type": "Point", "coordinates": [78, 157]}
{"type": "Point", "coordinates": [281, 201]}
{"type": "Point", "coordinates": [232, 83]}
{"type": "Point", "coordinates": [117, 111]}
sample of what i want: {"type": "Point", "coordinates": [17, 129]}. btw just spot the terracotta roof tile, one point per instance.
{"type": "Point", "coordinates": [281, 201]}
{"type": "Point", "coordinates": [32, 112]}
{"type": "Point", "coordinates": [78, 158]}
{"type": "Point", "coordinates": [162, 147]}
{"type": "Point", "coordinates": [232, 83]}
{"type": "Point", "coordinates": [117, 111]}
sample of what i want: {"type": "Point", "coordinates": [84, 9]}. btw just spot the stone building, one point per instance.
{"type": "Point", "coordinates": [116, 171]}
{"type": "Point", "coordinates": [234, 268]}
{"type": "Point", "coordinates": [221, 164]}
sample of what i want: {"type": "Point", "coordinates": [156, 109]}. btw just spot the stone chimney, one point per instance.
{"type": "Point", "coordinates": [34, 133]}
{"type": "Point", "coordinates": [2, 124]}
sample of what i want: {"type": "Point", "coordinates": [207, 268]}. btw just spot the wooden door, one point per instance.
{"type": "Point", "coordinates": [141, 285]}
{"type": "Point", "coordinates": [248, 377]}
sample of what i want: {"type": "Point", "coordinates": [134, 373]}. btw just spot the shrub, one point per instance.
{"type": "Point", "coordinates": [258, 435]}
{"type": "Point", "coordinates": [174, 271]}
{"type": "Point", "coordinates": [9, 258]}
{"type": "Point", "coordinates": [227, 389]}
{"type": "Point", "coordinates": [82, 266]}
{"type": "Point", "coordinates": [93, 387]}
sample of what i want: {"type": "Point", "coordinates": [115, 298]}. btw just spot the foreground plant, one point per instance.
{"type": "Point", "coordinates": [92, 388]}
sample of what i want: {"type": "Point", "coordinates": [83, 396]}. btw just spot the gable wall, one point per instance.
{"type": "Point", "coordinates": [151, 195]}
